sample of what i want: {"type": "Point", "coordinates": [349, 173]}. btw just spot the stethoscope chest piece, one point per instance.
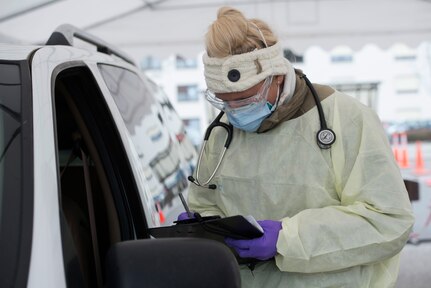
{"type": "Point", "coordinates": [325, 138]}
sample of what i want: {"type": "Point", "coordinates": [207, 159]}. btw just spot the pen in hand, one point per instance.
{"type": "Point", "coordinates": [190, 214]}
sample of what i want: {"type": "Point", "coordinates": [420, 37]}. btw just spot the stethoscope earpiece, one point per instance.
{"type": "Point", "coordinates": [325, 138]}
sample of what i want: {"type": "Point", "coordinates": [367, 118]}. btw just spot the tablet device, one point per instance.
{"type": "Point", "coordinates": [213, 227]}
{"type": "Point", "coordinates": [237, 227]}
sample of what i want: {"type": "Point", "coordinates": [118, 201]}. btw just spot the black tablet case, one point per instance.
{"type": "Point", "coordinates": [214, 228]}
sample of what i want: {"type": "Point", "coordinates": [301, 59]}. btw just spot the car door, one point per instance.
{"type": "Point", "coordinates": [46, 262]}
{"type": "Point", "coordinates": [85, 188]}
{"type": "Point", "coordinates": [89, 193]}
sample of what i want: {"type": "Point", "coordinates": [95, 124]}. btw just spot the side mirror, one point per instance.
{"type": "Point", "coordinates": [171, 262]}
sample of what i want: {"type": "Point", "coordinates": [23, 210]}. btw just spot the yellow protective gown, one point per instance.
{"type": "Point", "coordinates": [345, 212]}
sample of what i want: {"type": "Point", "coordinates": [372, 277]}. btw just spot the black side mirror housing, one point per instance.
{"type": "Point", "coordinates": [171, 262]}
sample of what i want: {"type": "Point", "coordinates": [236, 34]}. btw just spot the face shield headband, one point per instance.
{"type": "Point", "coordinates": [240, 72]}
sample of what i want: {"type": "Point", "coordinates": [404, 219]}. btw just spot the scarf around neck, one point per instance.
{"type": "Point", "coordinates": [288, 109]}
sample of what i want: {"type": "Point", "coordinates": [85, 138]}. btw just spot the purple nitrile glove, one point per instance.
{"type": "Point", "coordinates": [261, 248]}
{"type": "Point", "coordinates": [185, 216]}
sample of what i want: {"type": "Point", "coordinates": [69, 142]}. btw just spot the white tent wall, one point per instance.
{"type": "Point", "coordinates": [370, 29]}
{"type": "Point", "coordinates": [179, 26]}
{"type": "Point", "coordinates": [35, 25]}
{"type": "Point", "coordinates": [163, 27]}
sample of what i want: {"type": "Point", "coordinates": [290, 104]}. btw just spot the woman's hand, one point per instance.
{"type": "Point", "coordinates": [261, 248]}
{"type": "Point", "coordinates": [185, 216]}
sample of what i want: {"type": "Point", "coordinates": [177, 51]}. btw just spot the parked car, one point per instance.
{"type": "Point", "coordinates": [89, 162]}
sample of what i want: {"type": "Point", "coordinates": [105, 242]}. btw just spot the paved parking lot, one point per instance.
{"type": "Point", "coordinates": [415, 268]}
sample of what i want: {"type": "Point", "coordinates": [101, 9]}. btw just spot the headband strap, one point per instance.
{"type": "Point", "coordinates": [240, 72]}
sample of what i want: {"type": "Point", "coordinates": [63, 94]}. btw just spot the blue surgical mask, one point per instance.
{"type": "Point", "coordinates": [250, 117]}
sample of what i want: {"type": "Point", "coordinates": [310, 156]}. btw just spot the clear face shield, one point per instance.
{"type": "Point", "coordinates": [232, 106]}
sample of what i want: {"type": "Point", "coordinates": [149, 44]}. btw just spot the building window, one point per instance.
{"type": "Point", "coordinates": [403, 53]}
{"type": "Point", "coordinates": [185, 63]}
{"type": "Point", "coordinates": [405, 57]}
{"type": "Point", "coordinates": [151, 63]}
{"type": "Point", "coordinates": [188, 93]}
{"type": "Point", "coordinates": [408, 84]}
{"type": "Point", "coordinates": [342, 54]}
{"type": "Point", "coordinates": [366, 92]}
{"type": "Point", "coordinates": [193, 130]}
{"type": "Point", "coordinates": [341, 58]}
{"type": "Point", "coordinates": [292, 57]}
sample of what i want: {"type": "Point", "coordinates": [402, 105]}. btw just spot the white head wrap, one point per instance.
{"type": "Point", "coordinates": [289, 84]}
{"type": "Point", "coordinates": [240, 72]}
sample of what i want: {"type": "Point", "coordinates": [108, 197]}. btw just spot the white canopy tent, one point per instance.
{"type": "Point", "coordinates": [32, 21]}
{"type": "Point", "coordinates": [164, 27]}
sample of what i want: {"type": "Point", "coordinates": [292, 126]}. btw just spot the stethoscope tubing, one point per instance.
{"type": "Point", "coordinates": [215, 169]}
{"type": "Point", "coordinates": [317, 100]}
{"type": "Point", "coordinates": [325, 137]}
{"type": "Point", "coordinates": [217, 123]}
{"type": "Point", "coordinates": [229, 136]}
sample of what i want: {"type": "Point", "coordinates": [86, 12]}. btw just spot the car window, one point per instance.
{"type": "Point", "coordinates": [161, 155]}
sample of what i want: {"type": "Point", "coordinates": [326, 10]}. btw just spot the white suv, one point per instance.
{"type": "Point", "coordinates": [92, 155]}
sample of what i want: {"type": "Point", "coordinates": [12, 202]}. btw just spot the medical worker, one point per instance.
{"type": "Point", "coordinates": [334, 215]}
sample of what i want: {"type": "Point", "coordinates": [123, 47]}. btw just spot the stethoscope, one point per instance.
{"type": "Point", "coordinates": [325, 138]}
{"type": "Point", "coordinates": [229, 130]}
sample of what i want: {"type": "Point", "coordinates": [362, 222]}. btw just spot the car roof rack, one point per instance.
{"type": "Point", "coordinates": [65, 33]}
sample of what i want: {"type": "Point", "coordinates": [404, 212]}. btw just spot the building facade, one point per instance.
{"type": "Point", "coordinates": [395, 82]}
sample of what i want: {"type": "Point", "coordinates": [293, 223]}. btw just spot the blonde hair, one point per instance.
{"type": "Point", "coordinates": [233, 34]}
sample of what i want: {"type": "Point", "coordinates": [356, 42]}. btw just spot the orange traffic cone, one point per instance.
{"type": "Point", "coordinates": [420, 165]}
{"type": "Point", "coordinates": [404, 161]}
{"type": "Point", "coordinates": [395, 146]}
{"type": "Point", "coordinates": [161, 214]}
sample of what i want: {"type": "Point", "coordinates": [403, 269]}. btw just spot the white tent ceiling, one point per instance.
{"type": "Point", "coordinates": [163, 27]}
{"type": "Point", "coordinates": [31, 23]}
